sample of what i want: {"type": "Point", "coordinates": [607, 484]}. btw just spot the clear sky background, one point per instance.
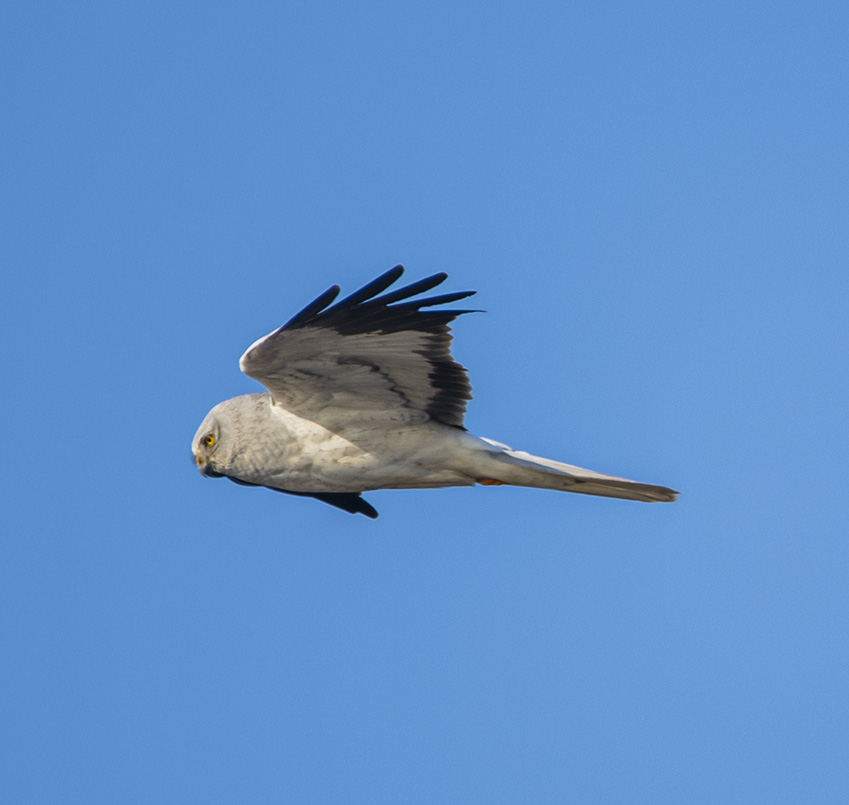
{"type": "Point", "coordinates": [652, 200]}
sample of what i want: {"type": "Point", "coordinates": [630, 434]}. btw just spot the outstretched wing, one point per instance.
{"type": "Point", "coordinates": [368, 358]}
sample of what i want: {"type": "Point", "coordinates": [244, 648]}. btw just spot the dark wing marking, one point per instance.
{"type": "Point", "coordinates": [366, 358]}
{"type": "Point", "coordinates": [347, 501]}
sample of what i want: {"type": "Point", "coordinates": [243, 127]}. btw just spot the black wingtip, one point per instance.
{"type": "Point", "coordinates": [351, 502]}
{"type": "Point", "coordinates": [313, 308]}
{"type": "Point", "coordinates": [372, 289]}
{"type": "Point", "coordinates": [371, 301]}
{"type": "Point", "coordinates": [420, 286]}
{"type": "Point", "coordinates": [368, 510]}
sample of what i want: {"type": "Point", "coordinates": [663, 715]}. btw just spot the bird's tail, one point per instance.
{"type": "Point", "coordinates": [503, 465]}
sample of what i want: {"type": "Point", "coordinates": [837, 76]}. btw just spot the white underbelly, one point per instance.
{"type": "Point", "coordinates": [418, 456]}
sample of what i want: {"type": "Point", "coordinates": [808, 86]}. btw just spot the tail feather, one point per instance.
{"type": "Point", "coordinates": [523, 469]}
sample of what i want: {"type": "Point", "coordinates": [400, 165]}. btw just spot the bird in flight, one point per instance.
{"type": "Point", "coordinates": [364, 394]}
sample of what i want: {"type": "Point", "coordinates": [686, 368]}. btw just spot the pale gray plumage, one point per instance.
{"type": "Point", "coordinates": [364, 394]}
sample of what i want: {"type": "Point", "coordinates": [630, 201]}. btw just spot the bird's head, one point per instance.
{"type": "Point", "coordinates": [212, 446]}
{"type": "Point", "coordinates": [222, 444]}
{"type": "Point", "coordinates": [206, 444]}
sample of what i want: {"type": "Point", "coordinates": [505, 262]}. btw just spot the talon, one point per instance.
{"type": "Point", "coordinates": [490, 482]}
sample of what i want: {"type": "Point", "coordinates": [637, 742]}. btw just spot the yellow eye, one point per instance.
{"type": "Point", "coordinates": [209, 440]}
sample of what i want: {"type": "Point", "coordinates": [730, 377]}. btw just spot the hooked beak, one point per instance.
{"type": "Point", "coordinates": [206, 468]}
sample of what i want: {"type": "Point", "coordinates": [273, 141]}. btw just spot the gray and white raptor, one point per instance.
{"type": "Point", "coordinates": [364, 394]}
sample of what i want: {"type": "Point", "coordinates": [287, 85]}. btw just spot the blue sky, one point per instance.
{"type": "Point", "coordinates": [651, 200]}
